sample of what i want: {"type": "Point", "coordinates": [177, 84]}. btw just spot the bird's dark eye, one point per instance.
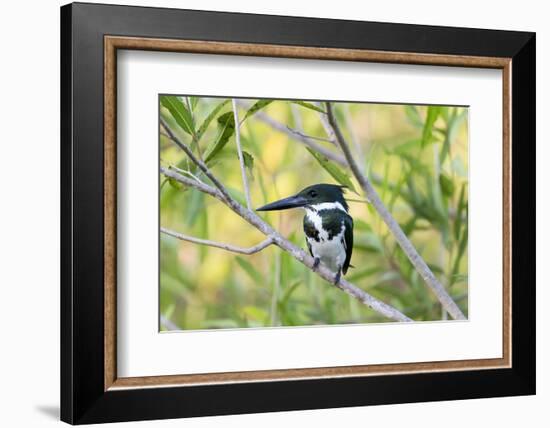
{"type": "Point", "coordinates": [312, 193]}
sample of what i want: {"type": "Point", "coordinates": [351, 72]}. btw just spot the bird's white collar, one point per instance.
{"type": "Point", "coordinates": [326, 206]}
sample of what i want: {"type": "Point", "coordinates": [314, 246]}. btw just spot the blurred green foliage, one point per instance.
{"type": "Point", "coordinates": [417, 158]}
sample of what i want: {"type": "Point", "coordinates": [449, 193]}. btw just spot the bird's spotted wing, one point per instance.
{"type": "Point", "coordinates": [347, 240]}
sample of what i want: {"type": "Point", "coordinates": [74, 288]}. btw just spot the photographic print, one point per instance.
{"type": "Point", "coordinates": [281, 213]}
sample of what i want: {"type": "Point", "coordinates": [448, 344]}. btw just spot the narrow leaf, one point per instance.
{"type": "Point", "coordinates": [209, 118]}
{"type": "Point", "coordinates": [250, 270]}
{"type": "Point", "coordinates": [447, 185]}
{"type": "Point", "coordinates": [249, 163]}
{"type": "Point", "coordinates": [334, 171]}
{"type": "Point", "coordinates": [194, 101]}
{"type": "Point", "coordinates": [174, 183]}
{"type": "Point", "coordinates": [258, 105]}
{"type": "Point", "coordinates": [194, 208]}
{"type": "Point", "coordinates": [463, 244]}
{"type": "Point", "coordinates": [433, 113]}
{"type": "Point", "coordinates": [289, 292]}
{"type": "Point", "coordinates": [226, 123]}
{"type": "Point", "coordinates": [457, 226]}
{"type": "Point", "coordinates": [179, 112]}
{"type": "Point", "coordinates": [309, 106]}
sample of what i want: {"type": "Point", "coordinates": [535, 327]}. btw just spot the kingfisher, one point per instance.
{"type": "Point", "coordinates": [327, 225]}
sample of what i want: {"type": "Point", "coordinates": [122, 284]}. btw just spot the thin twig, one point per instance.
{"type": "Point", "coordinates": [309, 137]}
{"type": "Point", "coordinates": [404, 242]}
{"type": "Point", "coordinates": [183, 171]}
{"type": "Point", "coordinates": [228, 247]}
{"type": "Point", "coordinates": [304, 139]}
{"type": "Point", "coordinates": [240, 153]}
{"type": "Point", "coordinates": [299, 254]}
{"type": "Point", "coordinates": [199, 185]}
{"type": "Point", "coordinates": [299, 131]}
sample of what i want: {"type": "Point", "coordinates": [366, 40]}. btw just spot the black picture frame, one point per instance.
{"type": "Point", "coordinates": [83, 396]}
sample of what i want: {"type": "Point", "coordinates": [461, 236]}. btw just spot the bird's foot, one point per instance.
{"type": "Point", "coordinates": [316, 262]}
{"type": "Point", "coordinates": [337, 277]}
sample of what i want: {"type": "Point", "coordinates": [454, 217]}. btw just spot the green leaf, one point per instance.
{"type": "Point", "coordinates": [209, 118]}
{"type": "Point", "coordinates": [288, 293]}
{"type": "Point", "coordinates": [447, 185]}
{"type": "Point", "coordinates": [248, 163]}
{"type": "Point", "coordinates": [174, 183]}
{"type": "Point", "coordinates": [461, 250]}
{"type": "Point", "coordinates": [195, 207]}
{"type": "Point", "coordinates": [459, 278]}
{"type": "Point", "coordinates": [248, 160]}
{"type": "Point", "coordinates": [194, 101]}
{"type": "Point", "coordinates": [179, 112]}
{"type": "Point", "coordinates": [409, 227]}
{"type": "Point", "coordinates": [226, 123]}
{"type": "Point", "coordinates": [202, 218]}
{"type": "Point", "coordinates": [436, 269]}
{"type": "Point", "coordinates": [309, 106]}
{"type": "Point", "coordinates": [396, 191]}
{"type": "Point", "coordinates": [457, 226]}
{"type": "Point", "coordinates": [453, 125]}
{"type": "Point", "coordinates": [258, 105]}
{"type": "Point", "coordinates": [431, 117]}
{"type": "Point", "coordinates": [250, 270]}
{"type": "Point", "coordinates": [334, 171]}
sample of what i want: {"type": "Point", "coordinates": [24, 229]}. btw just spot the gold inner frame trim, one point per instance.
{"type": "Point", "coordinates": [113, 43]}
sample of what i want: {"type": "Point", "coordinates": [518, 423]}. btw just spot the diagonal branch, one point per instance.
{"type": "Point", "coordinates": [299, 254]}
{"type": "Point", "coordinates": [202, 166]}
{"type": "Point", "coordinates": [189, 182]}
{"type": "Point", "coordinates": [300, 137]}
{"type": "Point", "coordinates": [228, 247]}
{"type": "Point", "coordinates": [240, 153]}
{"type": "Point", "coordinates": [404, 242]}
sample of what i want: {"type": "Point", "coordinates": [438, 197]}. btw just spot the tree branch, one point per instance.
{"type": "Point", "coordinates": [405, 244]}
{"type": "Point", "coordinates": [202, 166]}
{"type": "Point", "coordinates": [327, 126]}
{"type": "Point", "coordinates": [199, 185]}
{"type": "Point", "coordinates": [304, 139]}
{"type": "Point", "coordinates": [228, 247]}
{"type": "Point", "coordinates": [240, 153]}
{"type": "Point", "coordinates": [252, 218]}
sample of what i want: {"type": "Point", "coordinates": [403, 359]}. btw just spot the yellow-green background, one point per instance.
{"type": "Point", "coordinates": [419, 168]}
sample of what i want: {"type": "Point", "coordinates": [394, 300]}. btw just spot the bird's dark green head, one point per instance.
{"type": "Point", "coordinates": [330, 195]}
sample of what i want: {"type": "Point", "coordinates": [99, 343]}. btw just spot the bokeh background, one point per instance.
{"type": "Point", "coordinates": [416, 157]}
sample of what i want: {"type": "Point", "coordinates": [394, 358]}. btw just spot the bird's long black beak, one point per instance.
{"type": "Point", "coordinates": [284, 204]}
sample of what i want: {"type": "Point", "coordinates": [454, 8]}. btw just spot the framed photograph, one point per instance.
{"type": "Point", "coordinates": [265, 213]}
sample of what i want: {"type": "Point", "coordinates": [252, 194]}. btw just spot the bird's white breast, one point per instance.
{"type": "Point", "coordinates": [332, 253]}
